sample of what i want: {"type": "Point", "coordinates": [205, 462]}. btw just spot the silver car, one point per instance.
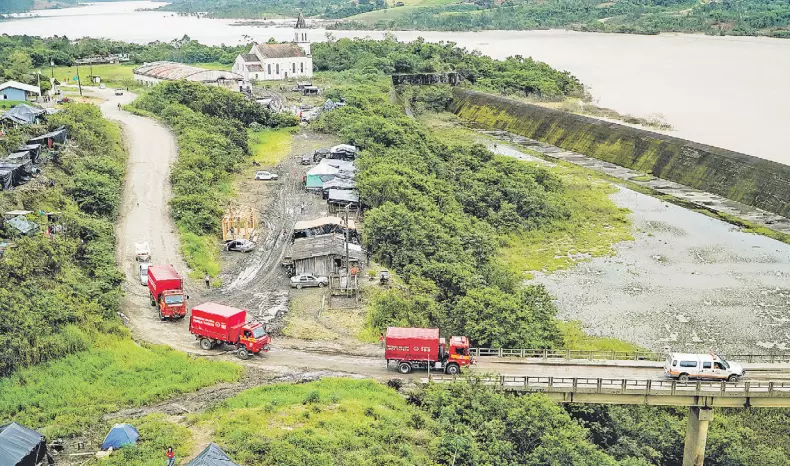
{"type": "Point", "coordinates": [143, 271]}
{"type": "Point", "coordinates": [304, 280]}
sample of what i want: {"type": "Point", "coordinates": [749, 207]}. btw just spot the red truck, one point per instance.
{"type": "Point", "coordinates": [214, 324]}
{"type": "Point", "coordinates": [420, 348]}
{"type": "Point", "coordinates": [166, 289]}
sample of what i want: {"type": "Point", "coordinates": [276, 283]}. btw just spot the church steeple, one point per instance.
{"type": "Point", "coordinates": [300, 34]}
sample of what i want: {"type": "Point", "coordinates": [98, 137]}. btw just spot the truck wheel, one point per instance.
{"type": "Point", "coordinates": [299, 286]}
{"type": "Point", "coordinates": [243, 353]}
{"type": "Point", "coordinates": [452, 369]}
{"type": "Point", "coordinates": [732, 378]}
{"type": "Point", "coordinates": [404, 367]}
{"type": "Point", "coordinates": [206, 344]}
{"type": "Point", "coordinates": [683, 378]}
{"type": "Point", "coordinates": [321, 284]}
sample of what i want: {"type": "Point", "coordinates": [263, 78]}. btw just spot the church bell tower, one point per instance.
{"type": "Point", "coordinates": [300, 34]}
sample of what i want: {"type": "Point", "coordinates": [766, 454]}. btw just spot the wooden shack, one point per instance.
{"type": "Point", "coordinates": [239, 223]}
{"type": "Point", "coordinates": [323, 255]}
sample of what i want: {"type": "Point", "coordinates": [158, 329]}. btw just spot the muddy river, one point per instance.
{"type": "Point", "coordinates": [724, 91]}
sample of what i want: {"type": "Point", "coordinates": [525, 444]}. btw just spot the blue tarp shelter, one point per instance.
{"type": "Point", "coordinates": [212, 456]}
{"type": "Point", "coordinates": [120, 435]}
{"type": "Point", "coordinates": [20, 446]}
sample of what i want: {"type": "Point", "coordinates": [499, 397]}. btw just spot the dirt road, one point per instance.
{"type": "Point", "coordinates": [256, 282]}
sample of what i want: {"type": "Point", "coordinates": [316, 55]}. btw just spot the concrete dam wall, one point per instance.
{"type": "Point", "coordinates": [740, 177]}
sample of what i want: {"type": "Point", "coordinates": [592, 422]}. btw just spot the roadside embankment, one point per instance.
{"type": "Point", "coordinates": [737, 176]}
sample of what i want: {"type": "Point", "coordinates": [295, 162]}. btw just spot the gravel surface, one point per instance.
{"type": "Point", "coordinates": [688, 281]}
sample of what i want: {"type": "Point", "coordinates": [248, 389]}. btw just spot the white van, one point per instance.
{"type": "Point", "coordinates": [701, 366]}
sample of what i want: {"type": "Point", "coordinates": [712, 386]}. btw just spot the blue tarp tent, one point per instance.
{"type": "Point", "coordinates": [120, 434]}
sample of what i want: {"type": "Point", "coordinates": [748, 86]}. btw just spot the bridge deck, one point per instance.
{"type": "Point", "coordinates": [634, 391]}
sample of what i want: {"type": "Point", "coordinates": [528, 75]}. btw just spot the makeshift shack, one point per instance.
{"type": "Point", "coordinates": [327, 170]}
{"type": "Point", "coordinates": [324, 226]}
{"type": "Point", "coordinates": [320, 154]}
{"type": "Point", "coordinates": [310, 90]}
{"type": "Point", "coordinates": [22, 225]}
{"type": "Point", "coordinates": [212, 455]}
{"type": "Point", "coordinates": [58, 136]}
{"type": "Point", "coordinates": [18, 157]}
{"type": "Point", "coordinates": [343, 152]}
{"type": "Point", "coordinates": [34, 150]}
{"type": "Point", "coordinates": [339, 199]}
{"type": "Point", "coordinates": [323, 255]}
{"type": "Point", "coordinates": [338, 183]}
{"type": "Point", "coordinates": [20, 446]}
{"type": "Point", "coordinates": [120, 435]}
{"type": "Point", "coordinates": [14, 174]}
{"type": "Point", "coordinates": [24, 114]}
{"type": "Point", "coordinates": [238, 223]}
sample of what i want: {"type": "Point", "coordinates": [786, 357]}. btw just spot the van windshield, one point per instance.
{"type": "Point", "coordinates": [725, 364]}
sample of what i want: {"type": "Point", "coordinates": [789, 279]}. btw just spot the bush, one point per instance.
{"type": "Point", "coordinates": [211, 125]}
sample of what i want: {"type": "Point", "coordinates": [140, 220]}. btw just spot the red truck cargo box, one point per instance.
{"type": "Point", "coordinates": [162, 278]}
{"type": "Point", "coordinates": [412, 344]}
{"type": "Point", "coordinates": [216, 321]}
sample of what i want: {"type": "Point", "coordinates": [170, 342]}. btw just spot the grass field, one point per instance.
{"type": "Point", "coordinates": [393, 12]}
{"type": "Point", "coordinates": [269, 147]}
{"type": "Point", "coordinates": [6, 104]}
{"type": "Point", "coordinates": [332, 421]}
{"type": "Point", "coordinates": [71, 394]}
{"type": "Point", "coordinates": [156, 434]}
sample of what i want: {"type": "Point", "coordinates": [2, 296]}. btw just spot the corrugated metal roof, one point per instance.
{"type": "Point", "coordinates": [324, 245]}
{"type": "Point", "coordinates": [171, 71]}
{"type": "Point", "coordinates": [280, 50]}
{"type": "Point", "coordinates": [306, 224]}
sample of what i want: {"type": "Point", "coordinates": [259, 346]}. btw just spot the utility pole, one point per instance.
{"type": "Point", "coordinates": [52, 67]}
{"type": "Point", "coordinates": [348, 264]}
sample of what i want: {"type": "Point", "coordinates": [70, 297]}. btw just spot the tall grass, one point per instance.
{"type": "Point", "coordinates": [332, 421]}
{"type": "Point", "coordinates": [68, 395]}
{"type": "Point", "coordinates": [269, 147]}
{"type": "Point", "coordinates": [156, 434]}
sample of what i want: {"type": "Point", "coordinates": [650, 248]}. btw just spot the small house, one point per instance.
{"type": "Point", "coordinates": [326, 170]}
{"type": "Point", "coordinates": [324, 226]}
{"type": "Point", "coordinates": [338, 183]}
{"type": "Point", "coordinates": [339, 199]}
{"type": "Point", "coordinates": [343, 152]}
{"type": "Point", "coordinates": [58, 136]}
{"type": "Point", "coordinates": [323, 255]}
{"type": "Point", "coordinates": [13, 90]}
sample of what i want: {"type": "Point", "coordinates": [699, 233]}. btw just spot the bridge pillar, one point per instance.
{"type": "Point", "coordinates": [696, 436]}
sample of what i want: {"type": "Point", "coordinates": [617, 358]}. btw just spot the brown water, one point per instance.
{"type": "Point", "coordinates": [732, 92]}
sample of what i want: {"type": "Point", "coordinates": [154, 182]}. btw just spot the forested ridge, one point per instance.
{"type": "Point", "coordinates": [259, 9]}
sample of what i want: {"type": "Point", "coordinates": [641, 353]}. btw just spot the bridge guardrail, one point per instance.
{"type": "Point", "coordinates": [564, 355]}
{"type": "Point", "coordinates": [668, 387]}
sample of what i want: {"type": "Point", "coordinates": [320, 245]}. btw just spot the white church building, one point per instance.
{"type": "Point", "coordinates": [278, 61]}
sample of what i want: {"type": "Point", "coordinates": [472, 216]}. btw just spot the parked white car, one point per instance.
{"type": "Point", "coordinates": [266, 176]}
{"type": "Point", "coordinates": [305, 280]}
{"type": "Point", "coordinates": [701, 366]}
{"type": "Point", "coordinates": [143, 272]}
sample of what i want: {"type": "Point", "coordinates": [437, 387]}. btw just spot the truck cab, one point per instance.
{"type": "Point", "coordinates": [459, 351]}
{"type": "Point", "coordinates": [254, 338]}
{"type": "Point", "coordinates": [173, 304]}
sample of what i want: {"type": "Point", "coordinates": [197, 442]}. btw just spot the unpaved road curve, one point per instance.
{"type": "Point", "coordinates": [145, 216]}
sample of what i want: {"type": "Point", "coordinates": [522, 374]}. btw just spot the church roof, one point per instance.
{"type": "Point", "coordinates": [249, 57]}
{"type": "Point", "coordinates": [279, 50]}
{"type": "Point", "coordinates": [300, 22]}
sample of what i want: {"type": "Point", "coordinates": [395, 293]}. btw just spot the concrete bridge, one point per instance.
{"type": "Point", "coordinates": [701, 397]}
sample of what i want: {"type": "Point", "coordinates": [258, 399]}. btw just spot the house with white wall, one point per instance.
{"type": "Point", "coordinates": [278, 61]}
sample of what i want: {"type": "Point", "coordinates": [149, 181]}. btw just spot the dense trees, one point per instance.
{"type": "Point", "coordinates": [55, 290]}
{"type": "Point", "coordinates": [254, 9]}
{"type": "Point", "coordinates": [738, 17]}
{"type": "Point", "coordinates": [516, 75]}
{"type": "Point", "coordinates": [437, 211]}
